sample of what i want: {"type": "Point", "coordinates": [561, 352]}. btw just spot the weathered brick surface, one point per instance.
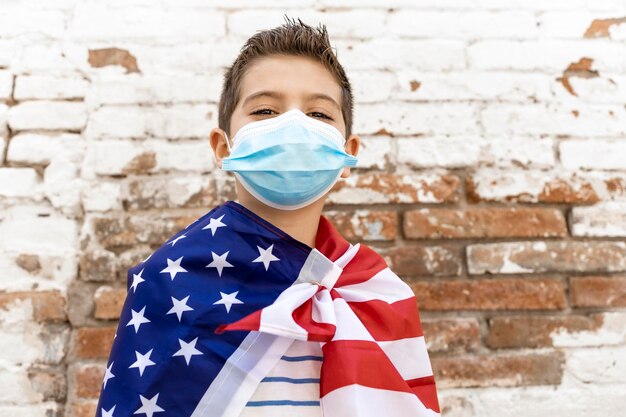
{"type": "Point", "coordinates": [483, 222]}
{"type": "Point", "coordinates": [491, 294]}
{"type": "Point", "coordinates": [546, 256]}
{"type": "Point", "coordinates": [491, 178]}
{"type": "Point", "coordinates": [598, 291]}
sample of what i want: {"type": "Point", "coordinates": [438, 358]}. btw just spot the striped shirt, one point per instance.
{"type": "Point", "coordinates": [292, 387]}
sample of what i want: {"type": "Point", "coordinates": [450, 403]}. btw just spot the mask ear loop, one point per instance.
{"type": "Point", "coordinates": [228, 143]}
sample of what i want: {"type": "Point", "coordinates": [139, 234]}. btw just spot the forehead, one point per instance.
{"type": "Point", "coordinates": [293, 76]}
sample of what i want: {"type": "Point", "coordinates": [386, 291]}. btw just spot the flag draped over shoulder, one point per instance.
{"type": "Point", "coordinates": [210, 312]}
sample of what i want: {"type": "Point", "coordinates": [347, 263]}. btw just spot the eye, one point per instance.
{"type": "Point", "coordinates": [322, 115]}
{"type": "Point", "coordinates": [262, 110]}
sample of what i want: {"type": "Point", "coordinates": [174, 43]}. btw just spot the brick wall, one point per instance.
{"type": "Point", "coordinates": [492, 177]}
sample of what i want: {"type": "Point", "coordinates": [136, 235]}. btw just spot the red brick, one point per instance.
{"type": "Point", "coordinates": [452, 335]}
{"type": "Point", "coordinates": [109, 302]}
{"type": "Point", "coordinates": [598, 291]}
{"type": "Point", "coordinates": [498, 370]}
{"type": "Point", "coordinates": [491, 294]}
{"type": "Point", "coordinates": [94, 342]}
{"type": "Point", "coordinates": [483, 222]}
{"type": "Point", "coordinates": [416, 260]}
{"type": "Point", "coordinates": [48, 306]}
{"type": "Point", "coordinates": [381, 187]}
{"type": "Point", "coordinates": [534, 331]}
{"type": "Point", "coordinates": [367, 225]}
{"type": "Point", "coordinates": [546, 256]}
{"type": "Point", "coordinates": [89, 380]}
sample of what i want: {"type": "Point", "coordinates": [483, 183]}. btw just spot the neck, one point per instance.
{"type": "Point", "coordinates": [301, 224]}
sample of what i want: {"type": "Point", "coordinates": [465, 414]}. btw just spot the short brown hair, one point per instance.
{"type": "Point", "coordinates": [291, 38]}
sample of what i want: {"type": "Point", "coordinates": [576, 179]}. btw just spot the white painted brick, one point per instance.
{"type": "Point", "coordinates": [374, 152]}
{"type": "Point", "coordinates": [42, 58]}
{"type": "Point", "coordinates": [536, 119]}
{"type": "Point", "coordinates": [154, 89]}
{"type": "Point", "coordinates": [516, 152]}
{"type": "Point", "coordinates": [611, 332]}
{"type": "Point", "coordinates": [605, 89]}
{"type": "Point", "coordinates": [340, 24]}
{"type": "Point", "coordinates": [44, 87]}
{"type": "Point", "coordinates": [94, 21]}
{"type": "Point", "coordinates": [37, 148]}
{"type": "Point", "coordinates": [570, 399]}
{"type": "Point", "coordinates": [41, 409]}
{"type": "Point", "coordinates": [198, 57]}
{"type": "Point", "coordinates": [441, 151]}
{"type": "Point", "coordinates": [174, 122]}
{"type": "Point", "coordinates": [111, 157]}
{"type": "Point", "coordinates": [55, 272]}
{"type": "Point", "coordinates": [7, 51]}
{"type": "Point", "coordinates": [569, 24]}
{"type": "Point", "coordinates": [426, 55]}
{"type": "Point", "coordinates": [4, 110]}
{"type": "Point", "coordinates": [18, 182]}
{"type": "Point", "coordinates": [416, 118]}
{"type": "Point", "coordinates": [6, 84]}
{"type": "Point", "coordinates": [17, 20]}
{"type": "Point", "coordinates": [504, 185]}
{"type": "Point", "coordinates": [594, 154]}
{"type": "Point", "coordinates": [372, 86]}
{"type": "Point", "coordinates": [472, 85]}
{"type": "Point", "coordinates": [479, 4]}
{"type": "Point", "coordinates": [66, 115]}
{"type": "Point", "coordinates": [62, 185]}
{"type": "Point", "coordinates": [603, 219]}
{"type": "Point", "coordinates": [34, 229]}
{"type": "Point", "coordinates": [546, 55]}
{"type": "Point", "coordinates": [101, 196]}
{"type": "Point", "coordinates": [468, 25]}
{"type": "Point", "coordinates": [19, 389]}
{"type": "Point", "coordinates": [597, 365]}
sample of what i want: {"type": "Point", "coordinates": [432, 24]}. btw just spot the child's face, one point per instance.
{"type": "Point", "coordinates": [278, 83]}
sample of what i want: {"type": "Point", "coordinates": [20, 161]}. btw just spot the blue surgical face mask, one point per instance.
{"type": "Point", "coordinates": [288, 161]}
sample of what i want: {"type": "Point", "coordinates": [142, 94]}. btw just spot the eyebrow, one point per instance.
{"type": "Point", "coordinates": [276, 94]}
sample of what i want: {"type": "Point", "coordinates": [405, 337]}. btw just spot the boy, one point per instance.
{"type": "Point", "coordinates": [305, 324]}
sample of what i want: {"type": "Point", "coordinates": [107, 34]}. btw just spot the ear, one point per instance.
{"type": "Point", "coordinates": [352, 147]}
{"type": "Point", "coordinates": [217, 139]}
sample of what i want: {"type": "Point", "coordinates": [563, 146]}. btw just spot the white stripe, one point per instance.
{"type": "Point", "coordinates": [409, 356]}
{"type": "Point", "coordinates": [234, 384]}
{"type": "Point", "coordinates": [349, 327]}
{"type": "Point", "coordinates": [359, 401]}
{"type": "Point", "coordinates": [385, 286]}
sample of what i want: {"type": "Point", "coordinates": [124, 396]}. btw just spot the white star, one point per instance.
{"type": "Point", "coordinates": [137, 279]}
{"type": "Point", "coordinates": [108, 375]}
{"type": "Point", "coordinates": [187, 349]}
{"type": "Point", "coordinates": [173, 267]}
{"type": "Point", "coordinates": [180, 306]}
{"type": "Point", "coordinates": [228, 300]}
{"type": "Point", "coordinates": [266, 256]}
{"type": "Point", "coordinates": [108, 413]}
{"type": "Point", "coordinates": [214, 224]}
{"type": "Point", "coordinates": [142, 361]}
{"type": "Point", "coordinates": [148, 406]}
{"type": "Point", "coordinates": [138, 319]}
{"type": "Point", "coordinates": [173, 241]}
{"type": "Point", "coordinates": [219, 262]}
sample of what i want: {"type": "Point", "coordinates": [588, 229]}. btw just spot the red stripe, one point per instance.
{"type": "Point", "coordinates": [318, 332]}
{"type": "Point", "coordinates": [386, 321]}
{"type": "Point", "coordinates": [426, 390]}
{"type": "Point", "coordinates": [251, 322]}
{"type": "Point", "coordinates": [348, 362]}
{"type": "Point", "coordinates": [365, 264]}
{"type": "Point", "coordinates": [329, 241]}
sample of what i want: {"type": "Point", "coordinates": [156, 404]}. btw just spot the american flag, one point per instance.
{"type": "Point", "coordinates": [210, 312]}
